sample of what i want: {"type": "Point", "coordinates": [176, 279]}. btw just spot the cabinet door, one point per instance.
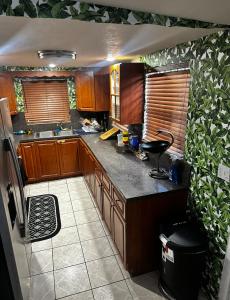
{"type": "Point", "coordinates": [29, 161]}
{"type": "Point", "coordinates": [119, 232]}
{"type": "Point", "coordinates": [47, 159]}
{"type": "Point", "coordinates": [91, 162]}
{"type": "Point", "coordinates": [101, 90]}
{"type": "Point", "coordinates": [85, 91]}
{"type": "Point", "coordinates": [68, 157]}
{"type": "Point", "coordinates": [7, 90]}
{"type": "Point", "coordinates": [97, 193]}
{"type": "Point", "coordinates": [107, 209]}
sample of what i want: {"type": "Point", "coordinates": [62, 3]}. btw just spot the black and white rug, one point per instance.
{"type": "Point", "coordinates": [43, 217]}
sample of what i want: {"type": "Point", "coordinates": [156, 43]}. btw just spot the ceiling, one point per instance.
{"type": "Point", "coordinates": [21, 37]}
{"type": "Point", "coordinates": [203, 10]}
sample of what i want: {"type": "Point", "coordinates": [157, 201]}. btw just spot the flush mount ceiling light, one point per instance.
{"type": "Point", "coordinates": [43, 54]}
{"type": "Point", "coordinates": [52, 65]}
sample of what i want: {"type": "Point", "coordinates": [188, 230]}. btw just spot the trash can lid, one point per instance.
{"type": "Point", "coordinates": [187, 239]}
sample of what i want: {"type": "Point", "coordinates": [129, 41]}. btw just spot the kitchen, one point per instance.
{"type": "Point", "coordinates": [110, 208]}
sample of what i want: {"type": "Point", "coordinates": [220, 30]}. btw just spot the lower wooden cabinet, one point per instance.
{"type": "Point", "coordinates": [29, 161]}
{"type": "Point", "coordinates": [45, 160]}
{"type": "Point", "coordinates": [107, 209]}
{"type": "Point", "coordinates": [134, 223]}
{"type": "Point", "coordinates": [68, 157]}
{"type": "Point", "coordinates": [118, 225]}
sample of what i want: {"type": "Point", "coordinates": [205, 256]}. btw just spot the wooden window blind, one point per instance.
{"type": "Point", "coordinates": [166, 105]}
{"type": "Point", "coordinates": [46, 101]}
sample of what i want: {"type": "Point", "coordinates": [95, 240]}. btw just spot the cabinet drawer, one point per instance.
{"type": "Point", "coordinates": [106, 182]}
{"type": "Point", "coordinates": [119, 202]}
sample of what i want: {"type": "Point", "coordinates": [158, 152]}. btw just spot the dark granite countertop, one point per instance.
{"type": "Point", "coordinates": [128, 174]}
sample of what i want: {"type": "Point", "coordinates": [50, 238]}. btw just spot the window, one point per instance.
{"type": "Point", "coordinates": [166, 105]}
{"type": "Point", "coordinates": [46, 101]}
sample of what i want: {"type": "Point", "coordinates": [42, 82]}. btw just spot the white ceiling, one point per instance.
{"type": "Point", "coordinates": [21, 37]}
{"type": "Point", "coordinates": [204, 10]}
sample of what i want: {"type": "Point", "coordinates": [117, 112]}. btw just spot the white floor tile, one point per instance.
{"type": "Point", "coordinates": [123, 270]}
{"type": "Point", "coordinates": [63, 197]}
{"type": "Point", "coordinates": [112, 245]}
{"type": "Point", "coordinates": [90, 231]}
{"type": "Point", "coordinates": [82, 204]}
{"type": "Point", "coordinates": [114, 291]}
{"type": "Point", "coordinates": [86, 216]}
{"type": "Point", "coordinates": [144, 287]}
{"type": "Point", "coordinates": [57, 182]}
{"type": "Point", "coordinates": [83, 193]}
{"type": "Point", "coordinates": [42, 287]}
{"type": "Point", "coordinates": [42, 245]}
{"type": "Point", "coordinates": [67, 220]}
{"type": "Point", "coordinates": [75, 179]}
{"type": "Point", "coordinates": [65, 207]}
{"type": "Point", "coordinates": [104, 271]}
{"type": "Point", "coordinates": [39, 191]}
{"type": "Point", "coordinates": [66, 236]}
{"type": "Point", "coordinates": [41, 262]}
{"type": "Point", "coordinates": [81, 296]}
{"type": "Point", "coordinates": [71, 280]}
{"type": "Point", "coordinates": [67, 256]}
{"type": "Point", "coordinates": [59, 189]}
{"type": "Point", "coordinates": [97, 248]}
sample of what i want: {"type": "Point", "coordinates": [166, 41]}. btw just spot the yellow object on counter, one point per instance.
{"type": "Point", "coordinates": [125, 137]}
{"type": "Point", "coordinates": [109, 133]}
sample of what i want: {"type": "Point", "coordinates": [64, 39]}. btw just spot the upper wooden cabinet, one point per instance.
{"type": "Point", "coordinates": [7, 91]}
{"type": "Point", "coordinates": [92, 90]}
{"type": "Point", "coordinates": [127, 93]}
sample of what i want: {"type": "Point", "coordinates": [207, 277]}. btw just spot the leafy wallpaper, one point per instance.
{"type": "Point", "coordinates": [19, 90]}
{"type": "Point", "coordinates": [207, 138]}
{"type": "Point", "coordinates": [62, 9]}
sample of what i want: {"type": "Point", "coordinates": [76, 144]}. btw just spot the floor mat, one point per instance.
{"type": "Point", "coordinates": [43, 217]}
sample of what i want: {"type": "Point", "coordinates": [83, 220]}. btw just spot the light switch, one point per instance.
{"type": "Point", "coordinates": [224, 172]}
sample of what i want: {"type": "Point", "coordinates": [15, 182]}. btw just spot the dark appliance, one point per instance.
{"type": "Point", "coordinates": [183, 259]}
{"type": "Point", "coordinates": [15, 251]}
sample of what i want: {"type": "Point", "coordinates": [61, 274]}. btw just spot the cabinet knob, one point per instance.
{"type": "Point", "coordinates": [61, 141]}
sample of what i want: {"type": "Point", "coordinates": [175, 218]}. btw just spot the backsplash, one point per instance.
{"type": "Point", "coordinates": [207, 141]}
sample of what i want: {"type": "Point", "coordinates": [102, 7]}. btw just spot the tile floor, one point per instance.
{"type": "Point", "coordinates": [81, 262]}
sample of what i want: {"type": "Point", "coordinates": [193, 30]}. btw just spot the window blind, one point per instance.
{"type": "Point", "coordinates": [46, 101]}
{"type": "Point", "coordinates": [166, 105]}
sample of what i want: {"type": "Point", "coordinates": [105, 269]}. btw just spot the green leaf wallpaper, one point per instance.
{"type": "Point", "coordinates": [62, 9]}
{"type": "Point", "coordinates": [207, 138]}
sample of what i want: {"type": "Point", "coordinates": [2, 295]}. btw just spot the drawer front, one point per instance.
{"type": "Point", "coordinates": [106, 182]}
{"type": "Point", "coordinates": [119, 202]}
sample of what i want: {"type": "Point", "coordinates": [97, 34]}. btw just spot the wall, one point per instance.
{"type": "Point", "coordinates": [207, 139]}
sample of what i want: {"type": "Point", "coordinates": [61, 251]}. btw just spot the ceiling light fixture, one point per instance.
{"type": "Point", "coordinates": [43, 54]}
{"type": "Point", "coordinates": [110, 57]}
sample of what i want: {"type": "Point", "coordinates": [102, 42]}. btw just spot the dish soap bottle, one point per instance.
{"type": "Point", "coordinates": [174, 170]}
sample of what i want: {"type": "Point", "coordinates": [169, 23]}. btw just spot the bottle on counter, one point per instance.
{"type": "Point", "coordinates": [125, 137]}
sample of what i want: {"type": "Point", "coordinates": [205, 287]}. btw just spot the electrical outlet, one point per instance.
{"type": "Point", "coordinates": [224, 172]}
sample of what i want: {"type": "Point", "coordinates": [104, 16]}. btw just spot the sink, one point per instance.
{"type": "Point", "coordinates": [45, 134]}
{"type": "Point", "coordinates": [65, 133]}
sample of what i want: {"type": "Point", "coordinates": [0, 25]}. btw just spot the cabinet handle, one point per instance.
{"type": "Point", "coordinates": [61, 141]}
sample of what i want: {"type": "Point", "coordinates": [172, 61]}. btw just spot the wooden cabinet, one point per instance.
{"type": "Point", "coordinates": [7, 91]}
{"type": "Point", "coordinates": [118, 231]}
{"type": "Point", "coordinates": [85, 91]}
{"type": "Point", "coordinates": [107, 209]}
{"type": "Point", "coordinates": [98, 193]}
{"type": "Point", "coordinates": [92, 91]}
{"type": "Point", "coordinates": [68, 157]}
{"type": "Point", "coordinates": [127, 93]}
{"type": "Point", "coordinates": [47, 159]}
{"type": "Point", "coordinates": [44, 160]}
{"type": "Point", "coordinates": [29, 161]}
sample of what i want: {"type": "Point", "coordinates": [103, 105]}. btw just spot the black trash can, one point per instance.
{"type": "Point", "coordinates": [183, 260]}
